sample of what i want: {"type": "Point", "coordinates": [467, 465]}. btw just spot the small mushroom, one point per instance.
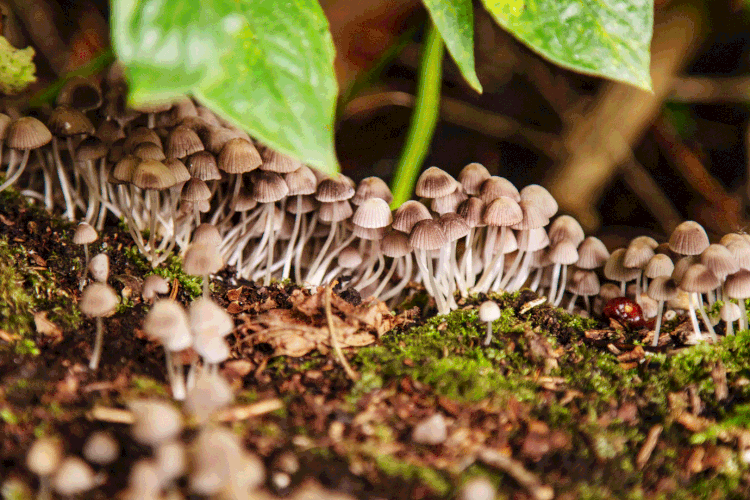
{"type": "Point", "coordinates": [489, 311]}
{"type": "Point", "coordinates": [43, 459]}
{"type": "Point", "coordinates": [153, 286]}
{"type": "Point", "coordinates": [101, 448]}
{"type": "Point", "coordinates": [99, 267]}
{"type": "Point", "coordinates": [73, 477]}
{"type": "Point", "coordinates": [84, 235]}
{"type": "Point", "coordinates": [98, 300]}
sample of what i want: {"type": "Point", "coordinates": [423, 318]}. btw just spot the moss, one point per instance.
{"type": "Point", "coordinates": [432, 478]}
{"type": "Point", "coordinates": [145, 386]}
{"type": "Point", "coordinates": [171, 269]}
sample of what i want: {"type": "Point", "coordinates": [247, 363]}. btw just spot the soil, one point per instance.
{"type": "Point", "coordinates": [579, 407]}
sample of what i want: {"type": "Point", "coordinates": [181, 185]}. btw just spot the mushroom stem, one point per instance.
{"type": "Point", "coordinates": [442, 305]}
{"type": "Point", "coordinates": [13, 178]}
{"type": "Point", "coordinates": [572, 303]}
{"type": "Point", "coordinates": [271, 243]}
{"type": "Point", "coordinates": [587, 302]}
{"type": "Point", "coordinates": [488, 338]}
{"type": "Point", "coordinates": [64, 186]}
{"type": "Point", "coordinates": [514, 266]}
{"type": "Point", "coordinates": [705, 318]}
{"type": "Point", "coordinates": [321, 255]}
{"type": "Point", "coordinates": [85, 266]}
{"type": "Point", "coordinates": [694, 318]}
{"type": "Point", "coordinates": [468, 262]}
{"type": "Point", "coordinates": [154, 197]}
{"type": "Point", "coordinates": [406, 277]}
{"type": "Point", "coordinates": [730, 327]}
{"type": "Point", "coordinates": [385, 281]}
{"type": "Point", "coordinates": [563, 280]}
{"type": "Point", "coordinates": [205, 286]}
{"type": "Point", "coordinates": [743, 315]}
{"type": "Point", "coordinates": [94, 363]}
{"type": "Point", "coordinates": [623, 290]}
{"type": "Point", "coordinates": [659, 315]}
{"type": "Point", "coordinates": [552, 295]}
{"type": "Point", "coordinates": [293, 240]}
{"type": "Point", "coordinates": [45, 492]}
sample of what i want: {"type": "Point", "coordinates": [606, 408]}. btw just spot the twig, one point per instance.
{"type": "Point", "coordinates": [244, 412]}
{"type": "Point", "coordinates": [334, 341]}
{"type": "Point", "coordinates": [648, 446]}
{"type": "Point", "coordinates": [517, 471]}
{"type": "Point", "coordinates": [112, 415]}
{"type": "Point", "coordinates": [710, 89]}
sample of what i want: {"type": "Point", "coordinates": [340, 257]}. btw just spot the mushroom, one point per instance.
{"type": "Point", "coordinates": [153, 286]}
{"type": "Point", "coordinates": [101, 448]}
{"type": "Point", "coordinates": [661, 289]}
{"type": "Point", "coordinates": [489, 311]}
{"type": "Point", "coordinates": [98, 300]}
{"type": "Point", "coordinates": [84, 235]}
{"type": "Point", "coordinates": [99, 267]}
{"type": "Point", "coordinates": [730, 312]}
{"type": "Point", "coordinates": [167, 322]}
{"type": "Point", "coordinates": [737, 286]}
{"type": "Point", "coordinates": [43, 459]}
{"type": "Point", "coordinates": [73, 477]}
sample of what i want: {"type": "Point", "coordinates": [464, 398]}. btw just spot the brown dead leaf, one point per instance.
{"type": "Point", "coordinates": [8, 337]}
{"type": "Point", "coordinates": [233, 295]}
{"type": "Point", "coordinates": [46, 327]}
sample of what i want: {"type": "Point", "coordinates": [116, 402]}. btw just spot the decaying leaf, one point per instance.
{"type": "Point", "coordinates": [45, 326]}
{"type": "Point", "coordinates": [303, 328]}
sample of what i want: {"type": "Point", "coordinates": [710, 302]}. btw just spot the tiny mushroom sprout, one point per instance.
{"type": "Point", "coordinates": [153, 286]}
{"type": "Point", "coordinates": [202, 259]}
{"type": "Point", "coordinates": [84, 235]}
{"type": "Point", "coordinates": [99, 267]}
{"type": "Point", "coordinates": [489, 311]}
{"type": "Point", "coordinates": [730, 312]}
{"type": "Point", "coordinates": [661, 289]}
{"type": "Point", "coordinates": [101, 448]}
{"type": "Point", "coordinates": [43, 459]}
{"type": "Point", "coordinates": [167, 321]}
{"type": "Point", "coordinates": [97, 301]}
{"type": "Point", "coordinates": [155, 421]}
{"type": "Point", "coordinates": [73, 477]}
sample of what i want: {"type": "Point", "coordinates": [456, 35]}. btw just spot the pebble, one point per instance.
{"type": "Point", "coordinates": [432, 430]}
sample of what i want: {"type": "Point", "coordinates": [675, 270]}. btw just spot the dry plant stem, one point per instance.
{"type": "Point", "coordinates": [13, 178]}
{"type": "Point", "coordinates": [334, 341]}
{"type": "Point", "coordinates": [659, 316]}
{"type": "Point", "coordinates": [97, 354]}
{"type": "Point", "coordinates": [518, 472]}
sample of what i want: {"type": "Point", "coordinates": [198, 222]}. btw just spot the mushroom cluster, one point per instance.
{"type": "Point", "coordinates": [183, 179]}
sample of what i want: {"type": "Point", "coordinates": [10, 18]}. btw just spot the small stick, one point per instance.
{"type": "Point", "coordinates": [334, 341]}
{"type": "Point", "coordinates": [252, 410]}
{"type": "Point", "coordinates": [517, 471]}
{"type": "Point", "coordinates": [648, 446]}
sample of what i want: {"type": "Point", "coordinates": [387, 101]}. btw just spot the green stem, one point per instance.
{"type": "Point", "coordinates": [422, 126]}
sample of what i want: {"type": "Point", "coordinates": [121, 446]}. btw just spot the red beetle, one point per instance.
{"type": "Point", "coordinates": [627, 312]}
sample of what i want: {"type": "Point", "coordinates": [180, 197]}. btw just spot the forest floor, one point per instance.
{"type": "Point", "coordinates": [555, 405]}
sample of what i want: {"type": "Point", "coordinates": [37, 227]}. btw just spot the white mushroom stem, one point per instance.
{"type": "Point", "coordinates": [97, 354]}
{"type": "Point", "coordinates": [429, 281]}
{"type": "Point", "coordinates": [321, 255]}
{"type": "Point", "coordinates": [488, 338]}
{"type": "Point", "coordinates": [293, 240]}
{"type": "Point", "coordinates": [514, 266]}
{"type": "Point", "coordinates": [14, 177]}
{"type": "Point", "coordinates": [271, 243]}
{"type": "Point", "coordinates": [406, 277]}
{"type": "Point", "coordinates": [82, 282]}
{"type": "Point", "coordinates": [572, 303]}
{"type": "Point", "coordinates": [730, 327]}
{"type": "Point", "coordinates": [659, 316]}
{"type": "Point", "coordinates": [705, 317]}
{"type": "Point", "coordinates": [743, 314]}
{"type": "Point", "coordinates": [442, 304]}
{"type": "Point", "coordinates": [63, 176]}
{"type": "Point", "coordinates": [385, 281]}
{"type": "Point", "coordinates": [467, 261]}
{"type": "Point", "coordinates": [693, 317]}
{"type": "Point", "coordinates": [563, 280]}
{"type": "Point", "coordinates": [552, 295]}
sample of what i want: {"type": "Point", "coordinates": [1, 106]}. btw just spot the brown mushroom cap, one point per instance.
{"type": "Point", "coordinates": [153, 174]}
{"type": "Point", "coordinates": [335, 211]}
{"type": "Point", "coordinates": [533, 216]}
{"type": "Point", "coordinates": [662, 288]}
{"type": "Point", "coordinates": [565, 227]}
{"type": "Point", "coordinates": [592, 253]}
{"type": "Point", "coordinates": [84, 234]}
{"type": "Point", "coordinates": [719, 260]}
{"type": "Point", "coordinates": [689, 238]}
{"type": "Point", "coordinates": [737, 285]}
{"type": "Point", "coordinates": [494, 187]}
{"type": "Point", "coordinates": [91, 149]}
{"type": "Point", "coordinates": [27, 133]}
{"type": "Point", "coordinates": [183, 141]}
{"type": "Point", "coordinates": [268, 187]}
{"type": "Point", "coordinates": [434, 183]}
{"type": "Point", "coordinates": [66, 121]}
{"type": "Point", "coordinates": [98, 300]}
{"type": "Point", "coordinates": [472, 210]}
{"type": "Point", "coordinates": [659, 265]}
{"type": "Point", "coordinates": [584, 283]}
{"type": "Point", "coordinates": [239, 156]}
{"type": "Point", "coordinates": [301, 182]}
{"type": "Point", "coordinates": [195, 190]}
{"type": "Point", "coordinates": [330, 190]}
{"type": "Point", "coordinates": [454, 226]}
{"type": "Point", "coordinates": [280, 163]}
{"type": "Point", "coordinates": [637, 255]}
{"type": "Point", "coordinates": [203, 166]}
{"type": "Point", "coordinates": [372, 187]}
{"type": "Point", "coordinates": [427, 235]}
{"type": "Point", "coordinates": [373, 213]}
{"type": "Point", "coordinates": [449, 203]}
{"type": "Point", "coordinates": [615, 269]}
{"type": "Point", "coordinates": [699, 279]}
{"type": "Point", "coordinates": [408, 214]}
{"type": "Point", "coordinates": [539, 195]}
{"type": "Point", "coordinates": [149, 151]}
{"type": "Point", "coordinates": [472, 176]}
{"type": "Point", "coordinates": [202, 259]}
{"type": "Point", "coordinates": [502, 211]}
{"type": "Point", "coordinates": [563, 252]}
{"type": "Point", "coordinates": [395, 244]}
{"type": "Point", "coordinates": [139, 135]}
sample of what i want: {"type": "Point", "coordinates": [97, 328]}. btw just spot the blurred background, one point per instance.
{"type": "Point", "coordinates": [623, 161]}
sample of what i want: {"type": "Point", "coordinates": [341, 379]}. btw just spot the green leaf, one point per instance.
{"type": "Point", "coordinates": [16, 67]}
{"type": "Point", "coordinates": [454, 20]}
{"type": "Point", "coordinates": [267, 66]}
{"type": "Point", "coordinates": [609, 38]}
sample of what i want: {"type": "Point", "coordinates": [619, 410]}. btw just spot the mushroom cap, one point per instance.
{"type": "Point", "coordinates": [502, 211]}
{"type": "Point", "coordinates": [427, 235]}
{"type": "Point", "coordinates": [101, 448]}
{"type": "Point", "coordinates": [203, 166]}
{"type": "Point", "coordinates": [213, 349]}
{"type": "Point", "coordinates": [73, 477]}
{"type": "Point", "coordinates": [239, 156]}
{"type": "Point", "coordinates": [408, 214]}
{"type": "Point", "coordinates": [539, 195]}
{"type": "Point", "coordinates": [206, 234]}
{"type": "Point", "coordinates": [472, 210]}
{"type": "Point", "coordinates": [202, 259]}
{"type": "Point", "coordinates": [659, 265]}
{"type": "Point", "coordinates": [472, 176]}
{"type": "Point", "coordinates": [91, 149]}
{"type": "Point", "coordinates": [688, 238]}
{"type": "Point", "coordinates": [210, 393]}
{"type": "Point", "coordinates": [182, 141]}
{"type": "Point", "coordinates": [304, 204]}
{"type": "Point", "coordinates": [372, 187]}
{"type": "Point", "coordinates": [5, 122]}
{"type": "Point", "coordinates": [373, 213]}
{"type": "Point", "coordinates": [699, 279]}
{"type": "Point", "coordinates": [154, 285]}
{"type": "Point", "coordinates": [44, 456]}
{"type": "Point", "coordinates": [268, 187]}
{"type": "Point", "coordinates": [370, 234]}
{"type": "Point", "coordinates": [167, 322]}
{"type": "Point", "coordinates": [489, 311]}
{"type": "Point", "coordinates": [84, 234]}
{"type": "Point", "coordinates": [98, 300]}
{"type": "Point", "coordinates": [334, 189]}
{"type": "Point", "coordinates": [66, 121]}
{"type": "Point", "coordinates": [662, 288]}
{"type": "Point", "coordinates": [434, 183]}
{"type": "Point", "coordinates": [507, 244]}
{"type": "Point", "coordinates": [592, 253]}
{"type": "Point", "coordinates": [349, 258]}
{"type": "Point", "coordinates": [27, 133]}
{"type": "Point", "coordinates": [584, 282]}
{"type": "Point", "coordinates": [139, 135]}
{"type": "Point", "coordinates": [740, 252]}
{"type": "Point", "coordinates": [109, 131]}
{"type": "Point", "coordinates": [737, 285]}
{"type": "Point", "coordinates": [494, 187]}
{"type": "Point", "coordinates": [273, 161]}
{"type": "Point", "coordinates": [395, 244]}
{"type": "Point", "coordinates": [171, 461]}
{"type": "Point", "coordinates": [335, 211]}
{"type": "Point", "coordinates": [565, 227]}
{"type": "Point", "coordinates": [615, 269]}
{"type": "Point", "coordinates": [533, 216]}
{"type": "Point", "coordinates": [564, 252]}
{"type": "Point", "coordinates": [149, 151]}
{"type": "Point", "coordinates": [301, 182]}
{"type": "Point", "coordinates": [637, 255]}
{"type": "Point", "coordinates": [533, 239]}
{"type": "Point", "coordinates": [155, 421]}
{"type": "Point", "coordinates": [99, 267]}
{"type": "Point", "coordinates": [178, 169]}
{"type": "Point", "coordinates": [153, 174]}
{"type": "Point", "coordinates": [609, 291]}
{"type": "Point", "coordinates": [205, 315]}
{"type": "Point", "coordinates": [124, 169]}
{"type": "Point", "coordinates": [719, 260]}
{"type": "Point", "coordinates": [477, 488]}
{"type": "Point", "coordinates": [730, 312]}
{"type": "Point", "coordinates": [195, 190]}
{"type": "Point", "coordinates": [449, 203]}
{"type": "Point", "coordinates": [681, 267]}
{"type": "Point", "coordinates": [453, 225]}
